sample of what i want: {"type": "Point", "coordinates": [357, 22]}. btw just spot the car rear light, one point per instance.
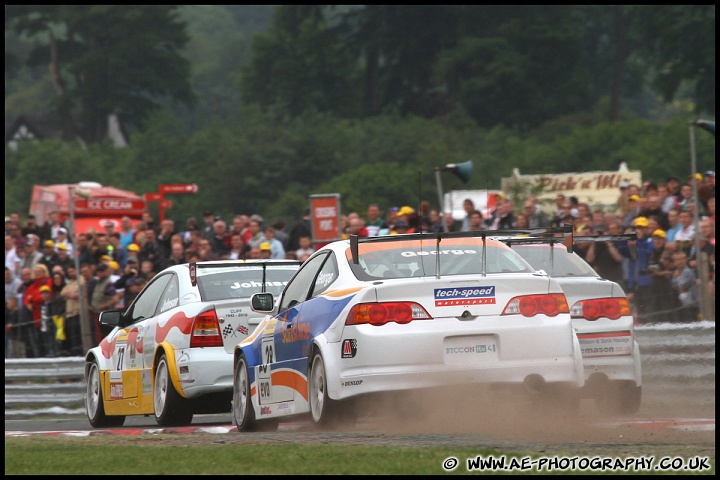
{"type": "Point", "coordinates": [594, 308]}
{"type": "Point", "coordinates": [550, 304]}
{"type": "Point", "coordinates": [206, 330]}
{"type": "Point", "coordinates": [382, 313]}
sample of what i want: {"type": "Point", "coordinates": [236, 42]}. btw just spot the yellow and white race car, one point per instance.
{"type": "Point", "coordinates": [170, 352]}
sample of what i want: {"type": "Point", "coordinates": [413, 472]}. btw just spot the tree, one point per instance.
{"type": "Point", "coordinates": [106, 59]}
{"type": "Point", "coordinates": [300, 64]}
{"type": "Point", "coordinates": [680, 45]}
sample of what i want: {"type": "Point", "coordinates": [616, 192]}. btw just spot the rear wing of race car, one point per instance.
{"type": "Point", "coordinates": [631, 238]}
{"type": "Point", "coordinates": [192, 267]}
{"type": "Point", "coordinates": [537, 235]}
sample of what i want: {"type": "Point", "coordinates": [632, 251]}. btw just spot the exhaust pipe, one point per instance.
{"type": "Point", "coordinates": [534, 383]}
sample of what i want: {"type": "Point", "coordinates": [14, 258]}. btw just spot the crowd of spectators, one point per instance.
{"type": "Point", "coordinates": [42, 301]}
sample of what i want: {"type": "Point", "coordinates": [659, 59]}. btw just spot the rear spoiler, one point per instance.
{"type": "Point", "coordinates": [192, 267]}
{"type": "Point", "coordinates": [539, 235]}
{"type": "Point", "coordinates": [631, 238]}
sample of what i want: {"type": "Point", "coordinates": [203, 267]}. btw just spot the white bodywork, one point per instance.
{"type": "Point", "coordinates": [468, 340]}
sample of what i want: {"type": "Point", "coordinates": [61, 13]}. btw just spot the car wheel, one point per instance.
{"type": "Point", "coordinates": [242, 409]}
{"type": "Point", "coordinates": [560, 401]}
{"type": "Point", "coordinates": [171, 409]}
{"type": "Point", "coordinates": [94, 405]}
{"type": "Point", "coordinates": [621, 397]}
{"type": "Point", "coordinates": [320, 402]}
{"type": "Point", "coordinates": [326, 412]}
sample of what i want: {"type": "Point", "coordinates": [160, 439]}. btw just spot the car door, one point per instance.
{"type": "Point", "coordinates": [303, 320]}
{"type": "Point", "coordinates": [285, 347]}
{"type": "Point", "coordinates": [131, 361]}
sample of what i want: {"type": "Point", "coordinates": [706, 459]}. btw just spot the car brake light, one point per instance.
{"type": "Point", "coordinates": [594, 308]}
{"type": "Point", "coordinates": [206, 330]}
{"type": "Point", "coordinates": [550, 304]}
{"type": "Point", "coordinates": [381, 313]}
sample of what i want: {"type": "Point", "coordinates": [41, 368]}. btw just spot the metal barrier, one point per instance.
{"type": "Point", "coordinates": [44, 386]}
{"type": "Point", "coordinates": [676, 357]}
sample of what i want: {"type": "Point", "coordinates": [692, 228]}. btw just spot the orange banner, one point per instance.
{"type": "Point", "coordinates": [325, 216]}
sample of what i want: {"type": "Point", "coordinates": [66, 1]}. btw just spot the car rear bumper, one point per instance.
{"type": "Point", "coordinates": [617, 367]}
{"type": "Point", "coordinates": [485, 352]}
{"type": "Point", "coordinates": [204, 370]}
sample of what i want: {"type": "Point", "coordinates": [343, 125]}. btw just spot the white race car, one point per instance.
{"type": "Point", "coordinates": [603, 320]}
{"type": "Point", "coordinates": [402, 313]}
{"type": "Point", "coordinates": [170, 352]}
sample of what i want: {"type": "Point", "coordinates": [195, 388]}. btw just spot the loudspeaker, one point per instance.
{"type": "Point", "coordinates": [462, 170]}
{"type": "Point", "coordinates": [705, 125]}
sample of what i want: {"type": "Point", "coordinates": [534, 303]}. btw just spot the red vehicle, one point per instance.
{"type": "Point", "coordinates": [96, 206]}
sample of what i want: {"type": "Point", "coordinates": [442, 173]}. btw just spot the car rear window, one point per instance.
{"type": "Point", "coordinates": [416, 261]}
{"type": "Point", "coordinates": [241, 282]}
{"type": "Point", "coordinates": [562, 263]}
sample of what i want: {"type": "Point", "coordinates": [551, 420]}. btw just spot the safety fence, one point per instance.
{"type": "Point", "coordinates": [676, 358]}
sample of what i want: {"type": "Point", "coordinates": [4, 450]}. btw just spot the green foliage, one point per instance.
{"type": "Point", "coordinates": [270, 166]}
{"type": "Point", "coordinates": [366, 101]}
{"type": "Point", "coordinates": [99, 68]}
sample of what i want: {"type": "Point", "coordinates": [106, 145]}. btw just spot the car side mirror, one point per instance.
{"type": "Point", "coordinates": [110, 318]}
{"type": "Point", "coordinates": [262, 302]}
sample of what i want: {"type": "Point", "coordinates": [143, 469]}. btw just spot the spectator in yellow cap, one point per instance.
{"type": "Point", "coordinates": [265, 250]}
{"type": "Point", "coordinates": [49, 257]}
{"type": "Point", "coordinates": [133, 247]}
{"type": "Point", "coordinates": [638, 281]}
{"type": "Point", "coordinates": [63, 256]}
{"type": "Point", "coordinates": [640, 222]}
{"type": "Point", "coordinates": [47, 325]}
{"type": "Point", "coordinates": [407, 214]}
{"type": "Point", "coordinates": [660, 266]}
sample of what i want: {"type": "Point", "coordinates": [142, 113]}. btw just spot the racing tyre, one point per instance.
{"type": "Point", "coordinates": [560, 401]}
{"type": "Point", "coordinates": [326, 412]}
{"type": "Point", "coordinates": [242, 409]}
{"type": "Point", "coordinates": [621, 397]}
{"type": "Point", "coordinates": [94, 402]}
{"type": "Point", "coordinates": [321, 405]}
{"type": "Point", "coordinates": [171, 409]}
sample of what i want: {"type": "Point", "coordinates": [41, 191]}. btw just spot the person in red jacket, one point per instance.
{"type": "Point", "coordinates": [33, 300]}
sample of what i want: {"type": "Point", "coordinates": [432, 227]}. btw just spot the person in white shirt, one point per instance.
{"type": "Point", "coordinates": [62, 237]}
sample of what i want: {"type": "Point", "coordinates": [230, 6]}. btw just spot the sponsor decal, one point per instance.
{"type": "Point", "coordinates": [169, 303]}
{"type": "Point", "coordinates": [228, 331]}
{"type": "Point", "coordinates": [299, 332]}
{"type": "Point", "coordinates": [598, 344]}
{"type": "Point", "coordinates": [116, 390]}
{"type": "Point", "coordinates": [265, 411]}
{"type": "Point", "coordinates": [324, 279]}
{"type": "Point", "coordinates": [146, 377]}
{"type": "Point", "coordinates": [352, 383]}
{"type": "Point", "coordinates": [445, 297]}
{"type": "Point", "coordinates": [349, 348]}
{"type": "Point", "coordinates": [424, 253]}
{"type": "Point", "coordinates": [256, 285]}
{"type": "Point", "coordinates": [491, 347]}
{"type": "Point", "coordinates": [184, 369]}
